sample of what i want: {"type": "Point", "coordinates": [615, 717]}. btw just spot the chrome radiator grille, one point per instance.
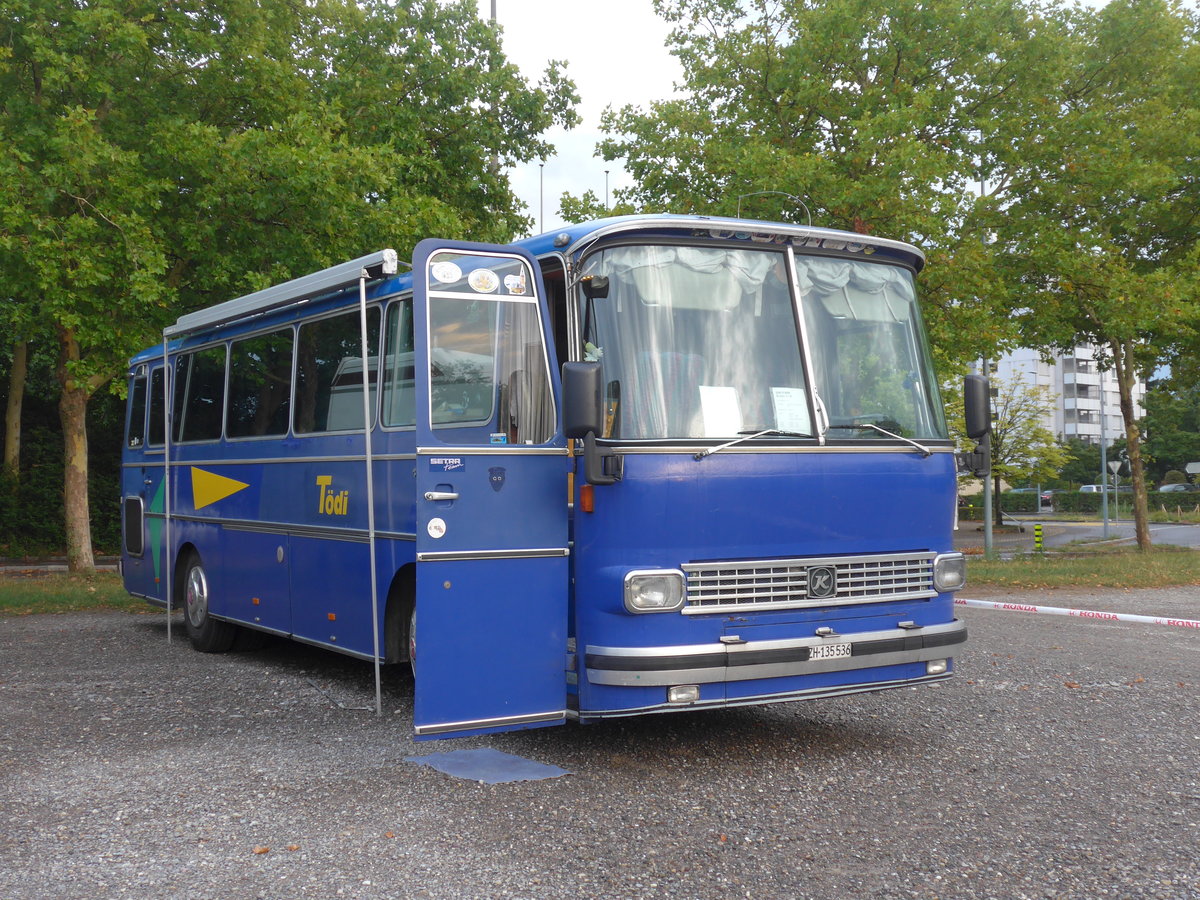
{"type": "Point", "coordinates": [788, 583]}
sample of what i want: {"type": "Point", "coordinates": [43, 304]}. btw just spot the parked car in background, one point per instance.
{"type": "Point", "coordinates": [1178, 488]}
{"type": "Point", "coordinates": [1091, 488]}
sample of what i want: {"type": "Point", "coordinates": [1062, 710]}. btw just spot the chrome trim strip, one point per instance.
{"type": "Point", "coordinates": [493, 450]}
{"type": "Point", "coordinates": [328, 646]}
{"type": "Point", "coordinates": [558, 715]}
{"type": "Point", "coordinates": [531, 553]}
{"type": "Point", "coordinates": [763, 699]}
{"type": "Point", "coordinates": [356, 535]}
{"type": "Point", "coordinates": [689, 223]}
{"type": "Point", "coordinates": [274, 460]}
{"type": "Point", "coordinates": [772, 658]}
{"type": "Point", "coordinates": [632, 450]}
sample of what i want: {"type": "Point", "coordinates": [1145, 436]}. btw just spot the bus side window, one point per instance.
{"type": "Point", "coordinates": [329, 372]}
{"type": "Point", "coordinates": [260, 385]}
{"type": "Point", "coordinates": [136, 416]}
{"type": "Point", "coordinates": [157, 432]}
{"type": "Point", "coordinates": [399, 397]}
{"type": "Point", "coordinates": [200, 395]}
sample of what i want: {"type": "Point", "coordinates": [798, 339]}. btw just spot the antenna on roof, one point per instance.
{"type": "Point", "coordinates": [741, 197]}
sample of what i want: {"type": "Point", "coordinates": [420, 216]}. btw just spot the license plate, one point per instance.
{"type": "Point", "coordinates": [830, 651]}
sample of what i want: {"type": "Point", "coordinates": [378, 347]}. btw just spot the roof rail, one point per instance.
{"type": "Point", "coordinates": [382, 262]}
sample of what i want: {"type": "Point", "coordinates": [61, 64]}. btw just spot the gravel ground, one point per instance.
{"type": "Point", "coordinates": [1061, 762]}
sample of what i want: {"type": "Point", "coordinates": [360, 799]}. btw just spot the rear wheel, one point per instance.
{"type": "Point", "coordinates": [208, 635]}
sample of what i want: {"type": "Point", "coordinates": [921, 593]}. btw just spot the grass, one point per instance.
{"type": "Point", "coordinates": [1084, 566]}
{"type": "Point", "coordinates": [22, 595]}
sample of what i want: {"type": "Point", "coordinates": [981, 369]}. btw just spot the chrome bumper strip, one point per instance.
{"type": "Point", "coordinates": [714, 663]}
{"type": "Point", "coordinates": [556, 715]}
{"type": "Point", "coordinates": [820, 693]}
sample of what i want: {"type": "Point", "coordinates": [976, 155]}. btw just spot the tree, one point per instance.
{"type": "Point", "coordinates": [1102, 230]}
{"type": "Point", "coordinates": [158, 158]}
{"type": "Point", "coordinates": [882, 117]}
{"type": "Point", "coordinates": [1171, 428]}
{"type": "Point", "coordinates": [589, 207]}
{"type": "Point", "coordinates": [1024, 450]}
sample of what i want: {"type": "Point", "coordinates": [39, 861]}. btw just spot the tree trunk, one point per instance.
{"type": "Point", "coordinates": [12, 414]}
{"type": "Point", "coordinates": [1124, 368]}
{"type": "Point", "coordinates": [72, 415]}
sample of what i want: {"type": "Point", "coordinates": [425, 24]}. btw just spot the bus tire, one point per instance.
{"type": "Point", "coordinates": [208, 635]}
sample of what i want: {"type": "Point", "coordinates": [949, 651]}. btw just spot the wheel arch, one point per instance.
{"type": "Point", "coordinates": [401, 598]}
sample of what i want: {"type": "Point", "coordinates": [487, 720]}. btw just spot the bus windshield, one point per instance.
{"type": "Point", "coordinates": [703, 342]}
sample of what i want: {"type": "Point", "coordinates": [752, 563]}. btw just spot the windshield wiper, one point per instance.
{"type": "Point", "coordinates": [859, 426]}
{"type": "Point", "coordinates": [748, 436]}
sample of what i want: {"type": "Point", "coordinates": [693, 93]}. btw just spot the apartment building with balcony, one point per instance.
{"type": "Point", "coordinates": [1084, 393]}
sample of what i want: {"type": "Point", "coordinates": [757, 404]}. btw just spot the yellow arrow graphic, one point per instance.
{"type": "Point", "coordinates": [208, 487]}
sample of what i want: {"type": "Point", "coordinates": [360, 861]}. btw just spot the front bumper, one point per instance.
{"type": "Point", "coordinates": [731, 661]}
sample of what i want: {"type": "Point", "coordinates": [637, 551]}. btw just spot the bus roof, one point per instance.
{"type": "Point", "coordinates": [569, 240]}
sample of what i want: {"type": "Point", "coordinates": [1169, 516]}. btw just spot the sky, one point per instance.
{"type": "Point", "coordinates": [616, 55]}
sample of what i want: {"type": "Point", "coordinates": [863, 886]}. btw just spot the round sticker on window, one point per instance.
{"type": "Point", "coordinates": [515, 284]}
{"type": "Point", "coordinates": [445, 272]}
{"type": "Point", "coordinates": [484, 280]}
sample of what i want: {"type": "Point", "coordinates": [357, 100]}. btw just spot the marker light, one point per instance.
{"type": "Point", "coordinates": [949, 571]}
{"type": "Point", "coordinates": [936, 667]}
{"type": "Point", "coordinates": [654, 591]}
{"type": "Point", "coordinates": [683, 693]}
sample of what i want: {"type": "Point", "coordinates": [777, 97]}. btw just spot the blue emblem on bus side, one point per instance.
{"type": "Point", "coordinates": [496, 477]}
{"type": "Point", "coordinates": [446, 464]}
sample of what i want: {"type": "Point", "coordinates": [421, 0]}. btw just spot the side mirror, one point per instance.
{"type": "Point", "coordinates": [583, 409]}
{"type": "Point", "coordinates": [583, 417]}
{"type": "Point", "coordinates": [977, 406]}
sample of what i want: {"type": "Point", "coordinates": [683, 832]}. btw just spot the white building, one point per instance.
{"type": "Point", "coordinates": [1083, 393]}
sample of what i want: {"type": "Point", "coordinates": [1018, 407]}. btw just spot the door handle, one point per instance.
{"type": "Point", "coordinates": [441, 495]}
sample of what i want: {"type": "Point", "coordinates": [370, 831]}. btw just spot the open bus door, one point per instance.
{"type": "Point", "coordinates": [490, 635]}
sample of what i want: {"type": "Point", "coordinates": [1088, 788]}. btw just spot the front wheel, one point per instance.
{"type": "Point", "coordinates": [208, 635]}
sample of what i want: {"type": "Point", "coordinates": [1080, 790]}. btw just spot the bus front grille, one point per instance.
{"type": "Point", "coordinates": [743, 585]}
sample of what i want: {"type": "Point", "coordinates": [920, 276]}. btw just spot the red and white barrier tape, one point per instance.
{"type": "Point", "coordinates": [1078, 613]}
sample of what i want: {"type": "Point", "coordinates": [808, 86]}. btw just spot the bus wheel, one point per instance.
{"type": "Point", "coordinates": [208, 635]}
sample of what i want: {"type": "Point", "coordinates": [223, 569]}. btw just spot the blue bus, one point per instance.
{"type": "Point", "coordinates": [645, 464]}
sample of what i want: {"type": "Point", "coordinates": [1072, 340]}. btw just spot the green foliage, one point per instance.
{"type": "Point", "coordinates": [589, 207]}
{"type": "Point", "coordinates": [156, 158]}
{"type": "Point", "coordinates": [27, 595]}
{"type": "Point", "coordinates": [31, 507]}
{"type": "Point", "coordinates": [1172, 428]}
{"type": "Point", "coordinates": [885, 133]}
{"type": "Point", "coordinates": [1024, 451]}
{"type": "Point", "coordinates": [1122, 568]}
{"type": "Point", "coordinates": [1077, 502]}
{"type": "Point", "coordinates": [970, 507]}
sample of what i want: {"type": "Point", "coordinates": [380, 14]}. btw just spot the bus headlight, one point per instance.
{"type": "Point", "coordinates": [654, 591]}
{"type": "Point", "coordinates": [949, 572]}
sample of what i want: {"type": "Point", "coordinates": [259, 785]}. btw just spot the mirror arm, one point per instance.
{"type": "Point", "coordinates": [595, 462]}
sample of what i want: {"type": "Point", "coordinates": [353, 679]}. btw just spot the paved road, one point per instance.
{"type": "Point", "coordinates": [1057, 533]}
{"type": "Point", "coordinates": [1061, 762]}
